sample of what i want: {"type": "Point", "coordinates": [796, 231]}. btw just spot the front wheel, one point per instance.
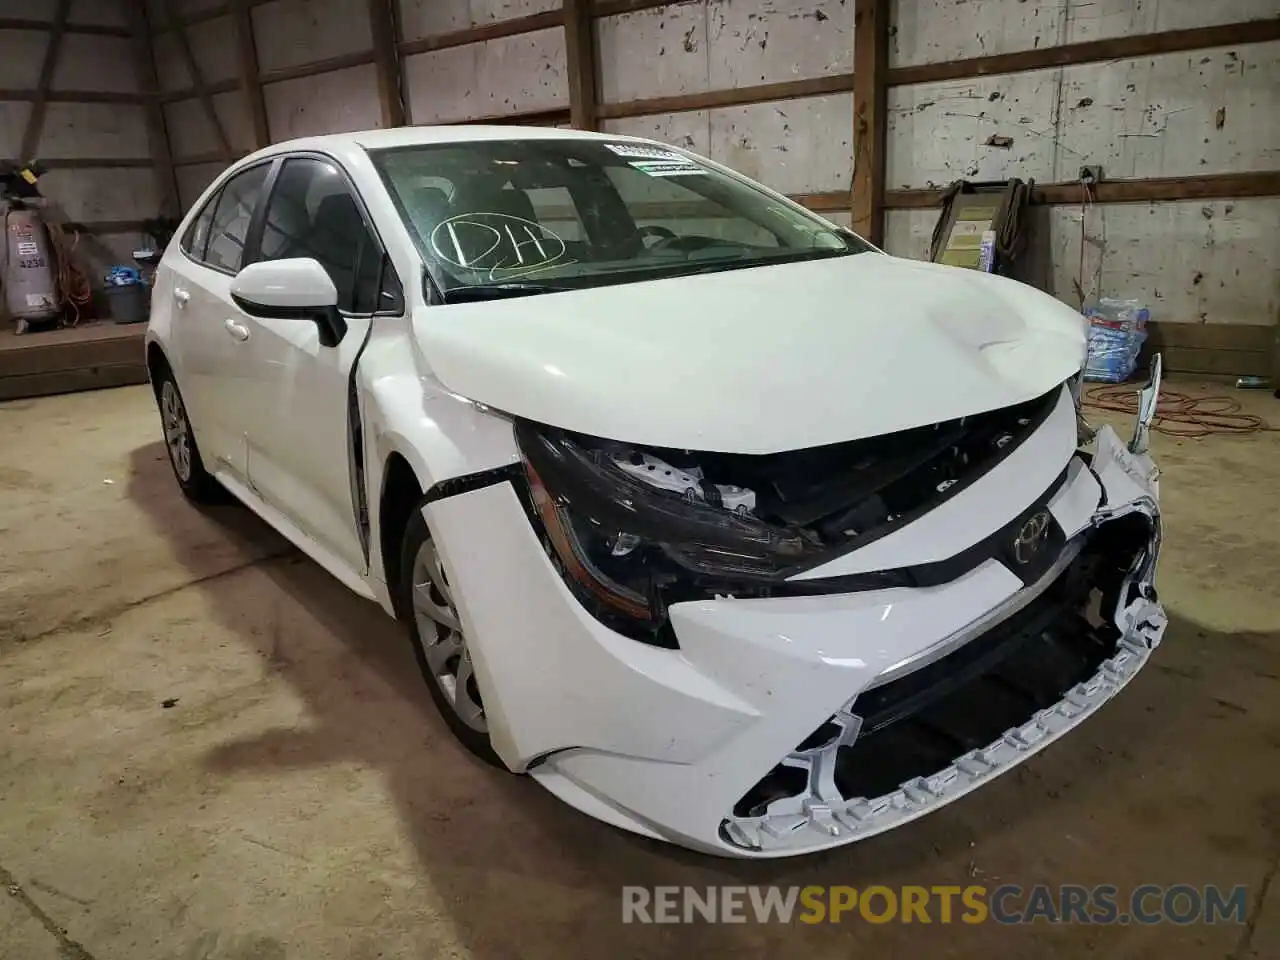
{"type": "Point", "coordinates": [439, 641]}
{"type": "Point", "coordinates": [197, 484]}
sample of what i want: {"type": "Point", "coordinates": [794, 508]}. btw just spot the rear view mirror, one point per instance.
{"type": "Point", "coordinates": [294, 289]}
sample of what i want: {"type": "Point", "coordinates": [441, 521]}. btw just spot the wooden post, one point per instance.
{"type": "Point", "coordinates": [386, 60]}
{"type": "Point", "coordinates": [35, 119]}
{"type": "Point", "coordinates": [870, 64]}
{"type": "Point", "coordinates": [197, 79]}
{"type": "Point", "coordinates": [580, 50]}
{"type": "Point", "coordinates": [247, 63]}
{"type": "Point", "coordinates": [157, 135]}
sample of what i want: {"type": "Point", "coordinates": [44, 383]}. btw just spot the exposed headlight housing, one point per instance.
{"type": "Point", "coordinates": [627, 549]}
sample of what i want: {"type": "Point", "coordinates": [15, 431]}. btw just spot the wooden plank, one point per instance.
{"type": "Point", "coordinates": [72, 381]}
{"type": "Point", "coordinates": [25, 23]}
{"type": "Point", "coordinates": [197, 78]}
{"type": "Point", "coordinates": [871, 62]}
{"type": "Point", "coordinates": [84, 163]}
{"type": "Point", "coordinates": [35, 119]}
{"type": "Point", "coordinates": [489, 31]}
{"type": "Point", "coordinates": [341, 62]}
{"type": "Point", "coordinates": [1213, 186]}
{"type": "Point", "coordinates": [386, 60]}
{"type": "Point", "coordinates": [75, 96]}
{"type": "Point", "coordinates": [825, 202]}
{"type": "Point", "coordinates": [174, 19]}
{"type": "Point", "coordinates": [213, 157]}
{"type": "Point", "coordinates": [190, 93]}
{"type": "Point", "coordinates": [580, 52]}
{"type": "Point", "coordinates": [1231, 337]}
{"type": "Point", "coordinates": [109, 344]}
{"type": "Point", "coordinates": [613, 8]}
{"type": "Point", "coordinates": [1090, 51]}
{"type": "Point", "coordinates": [247, 65]}
{"type": "Point", "coordinates": [712, 99]}
{"type": "Point", "coordinates": [539, 118]}
{"type": "Point", "coordinates": [1236, 363]}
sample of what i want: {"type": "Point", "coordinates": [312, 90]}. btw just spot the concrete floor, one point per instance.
{"type": "Point", "coordinates": [301, 799]}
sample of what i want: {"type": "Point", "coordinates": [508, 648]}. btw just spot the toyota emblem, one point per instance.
{"type": "Point", "coordinates": [1031, 537]}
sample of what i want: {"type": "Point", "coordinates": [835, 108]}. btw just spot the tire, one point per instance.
{"type": "Point", "coordinates": [439, 641]}
{"type": "Point", "coordinates": [197, 484]}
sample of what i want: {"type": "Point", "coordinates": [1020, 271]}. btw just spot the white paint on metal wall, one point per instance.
{"type": "Point", "coordinates": [102, 194]}
{"type": "Point", "coordinates": [427, 18]}
{"type": "Point", "coordinates": [769, 41]}
{"type": "Point", "coordinates": [94, 130]}
{"type": "Point", "coordinates": [494, 78]}
{"type": "Point", "coordinates": [1178, 114]}
{"type": "Point", "coordinates": [796, 146]}
{"type": "Point", "coordinates": [99, 13]}
{"type": "Point", "coordinates": [191, 133]}
{"type": "Point", "coordinates": [654, 53]}
{"type": "Point", "coordinates": [193, 178]}
{"type": "Point", "coordinates": [326, 103]}
{"type": "Point", "coordinates": [236, 121]}
{"type": "Point", "coordinates": [295, 32]}
{"type": "Point", "coordinates": [931, 31]}
{"type": "Point", "coordinates": [213, 44]}
{"type": "Point", "coordinates": [1190, 261]}
{"type": "Point", "coordinates": [23, 57]}
{"type": "Point", "coordinates": [89, 62]}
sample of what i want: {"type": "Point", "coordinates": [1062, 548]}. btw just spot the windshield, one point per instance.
{"type": "Point", "coordinates": [519, 217]}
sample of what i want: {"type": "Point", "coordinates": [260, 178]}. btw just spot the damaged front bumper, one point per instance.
{"type": "Point", "coordinates": [686, 744]}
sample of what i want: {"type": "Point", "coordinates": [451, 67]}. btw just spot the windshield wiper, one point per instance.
{"type": "Point", "coordinates": [499, 291]}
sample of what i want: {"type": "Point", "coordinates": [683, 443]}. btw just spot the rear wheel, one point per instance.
{"type": "Point", "coordinates": [439, 640]}
{"type": "Point", "coordinates": [197, 484]}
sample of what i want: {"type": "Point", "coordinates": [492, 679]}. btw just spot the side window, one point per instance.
{"type": "Point", "coordinates": [197, 235]}
{"type": "Point", "coordinates": [312, 213]}
{"type": "Point", "coordinates": [232, 212]}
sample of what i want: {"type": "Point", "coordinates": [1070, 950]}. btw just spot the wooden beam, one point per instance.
{"type": "Point", "coordinates": [711, 99]}
{"type": "Point", "coordinates": [86, 163]}
{"type": "Point", "coordinates": [488, 31]}
{"type": "Point", "coordinates": [35, 119]}
{"type": "Point", "coordinates": [871, 62]}
{"type": "Point", "coordinates": [831, 202]}
{"type": "Point", "coordinates": [75, 96]}
{"type": "Point", "coordinates": [537, 118]}
{"type": "Point", "coordinates": [1091, 51]}
{"type": "Point", "coordinates": [197, 78]}
{"type": "Point", "coordinates": [341, 62]}
{"type": "Point", "coordinates": [174, 19]}
{"type": "Point", "coordinates": [385, 28]}
{"type": "Point", "coordinates": [157, 134]}
{"type": "Point", "coordinates": [24, 23]}
{"type": "Point", "coordinates": [612, 8]}
{"type": "Point", "coordinates": [1214, 186]}
{"type": "Point", "coordinates": [580, 52]}
{"type": "Point", "coordinates": [199, 158]}
{"type": "Point", "coordinates": [247, 64]}
{"type": "Point", "coordinates": [190, 93]}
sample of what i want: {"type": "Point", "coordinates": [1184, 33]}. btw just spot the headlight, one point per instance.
{"type": "Point", "coordinates": [628, 550]}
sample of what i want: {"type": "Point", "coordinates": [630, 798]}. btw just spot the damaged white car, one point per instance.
{"type": "Point", "coordinates": [722, 525]}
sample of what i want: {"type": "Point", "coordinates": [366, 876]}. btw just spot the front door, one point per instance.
{"type": "Point", "coordinates": [300, 450]}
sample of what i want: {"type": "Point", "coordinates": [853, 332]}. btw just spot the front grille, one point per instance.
{"type": "Point", "coordinates": [921, 722]}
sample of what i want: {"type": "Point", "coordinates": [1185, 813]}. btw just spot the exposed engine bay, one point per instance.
{"type": "Point", "coordinates": [639, 528]}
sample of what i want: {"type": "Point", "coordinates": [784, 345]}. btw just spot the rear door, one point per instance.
{"type": "Point", "coordinates": [301, 443]}
{"type": "Point", "coordinates": [209, 331]}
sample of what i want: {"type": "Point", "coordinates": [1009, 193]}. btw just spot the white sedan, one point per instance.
{"type": "Point", "coordinates": [724, 526]}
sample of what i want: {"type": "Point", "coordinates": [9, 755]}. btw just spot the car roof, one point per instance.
{"type": "Point", "coordinates": [412, 136]}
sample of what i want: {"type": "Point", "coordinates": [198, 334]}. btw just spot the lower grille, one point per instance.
{"type": "Point", "coordinates": [915, 725]}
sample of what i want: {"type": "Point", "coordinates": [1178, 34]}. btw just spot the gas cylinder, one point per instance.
{"type": "Point", "coordinates": [29, 286]}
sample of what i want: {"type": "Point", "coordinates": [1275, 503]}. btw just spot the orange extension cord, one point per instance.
{"type": "Point", "coordinates": [1179, 414]}
{"type": "Point", "coordinates": [71, 280]}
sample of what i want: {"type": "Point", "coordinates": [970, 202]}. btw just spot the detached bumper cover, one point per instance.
{"type": "Point", "coordinates": [672, 743]}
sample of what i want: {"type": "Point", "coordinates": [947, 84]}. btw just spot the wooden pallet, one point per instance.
{"type": "Point", "coordinates": [86, 357]}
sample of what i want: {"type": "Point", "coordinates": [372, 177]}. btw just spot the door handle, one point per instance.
{"type": "Point", "coordinates": [237, 330]}
{"type": "Point", "coordinates": [183, 297]}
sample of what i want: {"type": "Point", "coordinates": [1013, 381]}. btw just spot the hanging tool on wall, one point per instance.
{"type": "Point", "coordinates": [982, 226]}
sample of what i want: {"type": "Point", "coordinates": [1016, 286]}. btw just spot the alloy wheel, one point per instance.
{"type": "Point", "coordinates": [176, 435]}
{"type": "Point", "coordinates": [439, 633]}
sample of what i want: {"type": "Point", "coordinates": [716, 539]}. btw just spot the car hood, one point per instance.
{"type": "Point", "coordinates": [759, 360]}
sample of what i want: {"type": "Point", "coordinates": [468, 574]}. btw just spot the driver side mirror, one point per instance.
{"type": "Point", "coordinates": [293, 289]}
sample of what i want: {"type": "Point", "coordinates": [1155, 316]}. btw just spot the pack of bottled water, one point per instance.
{"type": "Point", "coordinates": [1117, 329]}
